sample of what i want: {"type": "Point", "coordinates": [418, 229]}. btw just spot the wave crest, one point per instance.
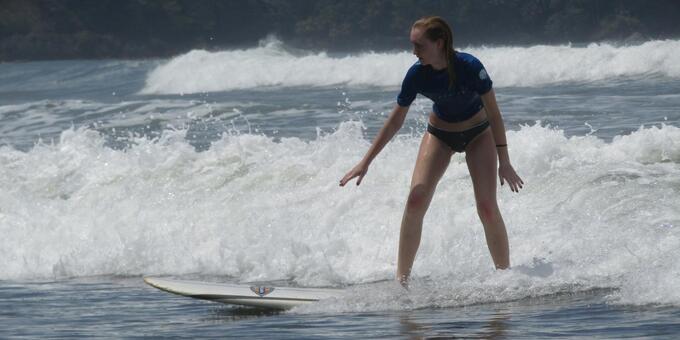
{"type": "Point", "coordinates": [272, 64]}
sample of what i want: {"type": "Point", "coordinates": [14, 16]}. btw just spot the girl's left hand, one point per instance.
{"type": "Point", "coordinates": [507, 173]}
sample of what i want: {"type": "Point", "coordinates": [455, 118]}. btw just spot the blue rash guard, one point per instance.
{"type": "Point", "coordinates": [452, 105]}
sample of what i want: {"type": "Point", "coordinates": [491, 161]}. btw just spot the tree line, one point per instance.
{"type": "Point", "coordinates": [60, 29]}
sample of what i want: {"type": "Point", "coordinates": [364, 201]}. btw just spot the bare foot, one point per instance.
{"type": "Point", "coordinates": [403, 281]}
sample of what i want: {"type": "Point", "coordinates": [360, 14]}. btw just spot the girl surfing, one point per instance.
{"type": "Point", "coordinates": [465, 118]}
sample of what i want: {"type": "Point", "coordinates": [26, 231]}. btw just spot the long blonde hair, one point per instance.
{"type": "Point", "coordinates": [436, 28]}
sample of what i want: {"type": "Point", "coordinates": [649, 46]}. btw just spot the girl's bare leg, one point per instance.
{"type": "Point", "coordinates": [482, 162]}
{"type": "Point", "coordinates": [433, 159]}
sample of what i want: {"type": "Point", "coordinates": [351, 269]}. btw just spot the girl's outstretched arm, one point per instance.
{"type": "Point", "coordinates": [389, 129]}
{"type": "Point", "coordinates": [505, 170]}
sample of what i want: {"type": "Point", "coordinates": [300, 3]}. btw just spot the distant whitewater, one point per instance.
{"type": "Point", "coordinates": [273, 65]}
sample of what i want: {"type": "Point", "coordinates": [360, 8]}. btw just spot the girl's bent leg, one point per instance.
{"type": "Point", "coordinates": [482, 162]}
{"type": "Point", "coordinates": [433, 159]}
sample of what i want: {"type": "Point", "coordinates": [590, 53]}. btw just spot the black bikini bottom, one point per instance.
{"type": "Point", "coordinates": [460, 139]}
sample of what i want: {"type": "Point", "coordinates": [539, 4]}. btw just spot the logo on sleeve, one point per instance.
{"type": "Point", "coordinates": [483, 75]}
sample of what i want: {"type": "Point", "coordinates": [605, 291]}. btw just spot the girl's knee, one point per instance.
{"type": "Point", "coordinates": [487, 210]}
{"type": "Point", "coordinates": [417, 198]}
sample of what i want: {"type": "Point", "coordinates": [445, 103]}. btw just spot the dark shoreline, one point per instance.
{"type": "Point", "coordinates": [137, 29]}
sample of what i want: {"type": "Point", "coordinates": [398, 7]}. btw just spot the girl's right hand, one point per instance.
{"type": "Point", "coordinates": [359, 170]}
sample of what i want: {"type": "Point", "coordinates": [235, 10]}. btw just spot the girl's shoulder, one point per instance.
{"type": "Point", "coordinates": [415, 70]}
{"type": "Point", "coordinates": [467, 59]}
{"type": "Point", "coordinates": [416, 67]}
{"type": "Point", "coordinates": [469, 66]}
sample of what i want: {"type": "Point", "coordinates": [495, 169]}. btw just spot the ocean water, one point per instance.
{"type": "Point", "coordinates": [225, 165]}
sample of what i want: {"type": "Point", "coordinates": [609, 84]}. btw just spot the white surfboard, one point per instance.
{"type": "Point", "coordinates": [245, 295]}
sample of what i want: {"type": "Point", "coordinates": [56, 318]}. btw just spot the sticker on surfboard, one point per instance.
{"type": "Point", "coordinates": [261, 290]}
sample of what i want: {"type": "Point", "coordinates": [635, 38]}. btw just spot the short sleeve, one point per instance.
{"type": "Point", "coordinates": [479, 77]}
{"type": "Point", "coordinates": [409, 89]}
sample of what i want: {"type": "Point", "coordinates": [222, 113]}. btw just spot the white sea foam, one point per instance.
{"type": "Point", "coordinates": [592, 214]}
{"type": "Point", "coordinates": [49, 116]}
{"type": "Point", "coordinates": [271, 65]}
